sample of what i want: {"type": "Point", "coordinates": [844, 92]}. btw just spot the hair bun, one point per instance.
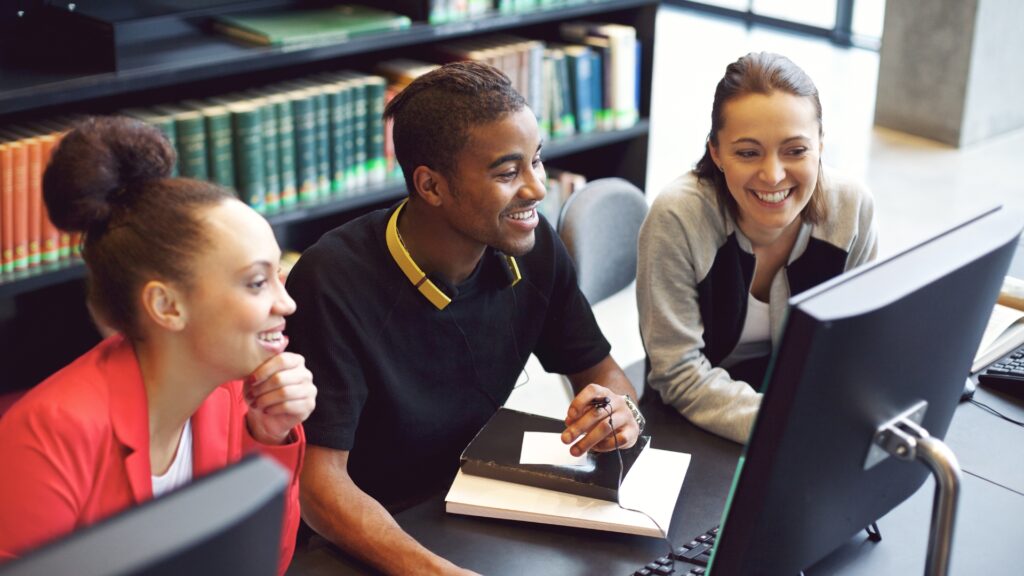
{"type": "Point", "coordinates": [99, 165]}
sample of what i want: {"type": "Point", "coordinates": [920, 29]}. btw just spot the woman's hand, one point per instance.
{"type": "Point", "coordinates": [281, 395]}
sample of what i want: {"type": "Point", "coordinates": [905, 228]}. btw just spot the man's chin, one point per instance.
{"type": "Point", "coordinates": [518, 249]}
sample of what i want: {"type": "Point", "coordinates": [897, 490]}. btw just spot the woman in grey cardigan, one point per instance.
{"type": "Point", "coordinates": [725, 245]}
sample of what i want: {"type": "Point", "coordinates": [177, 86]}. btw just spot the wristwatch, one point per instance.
{"type": "Point", "coordinates": [640, 420]}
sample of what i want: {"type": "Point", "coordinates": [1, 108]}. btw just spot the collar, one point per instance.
{"type": "Point", "coordinates": [418, 278]}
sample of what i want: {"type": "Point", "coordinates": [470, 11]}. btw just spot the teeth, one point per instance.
{"type": "Point", "coordinates": [272, 337]}
{"type": "Point", "coordinates": [524, 215]}
{"type": "Point", "coordinates": [773, 197]}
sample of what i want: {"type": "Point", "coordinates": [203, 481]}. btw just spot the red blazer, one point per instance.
{"type": "Point", "coordinates": [75, 449]}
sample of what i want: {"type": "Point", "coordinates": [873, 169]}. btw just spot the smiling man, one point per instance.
{"type": "Point", "coordinates": [417, 320]}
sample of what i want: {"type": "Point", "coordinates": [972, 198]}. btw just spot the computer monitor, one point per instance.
{"type": "Point", "coordinates": [226, 523]}
{"type": "Point", "coordinates": [856, 352]}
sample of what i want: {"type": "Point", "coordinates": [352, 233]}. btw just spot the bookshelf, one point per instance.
{"type": "Point", "coordinates": [43, 321]}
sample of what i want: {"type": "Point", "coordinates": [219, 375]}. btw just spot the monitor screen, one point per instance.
{"type": "Point", "coordinates": [228, 522]}
{"type": "Point", "coordinates": [856, 352]}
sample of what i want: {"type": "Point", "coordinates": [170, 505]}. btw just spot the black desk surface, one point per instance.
{"type": "Point", "coordinates": [987, 541]}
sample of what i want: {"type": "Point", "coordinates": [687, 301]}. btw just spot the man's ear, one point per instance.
{"type": "Point", "coordinates": [431, 185]}
{"type": "Point", "coordinates": [164, 305]}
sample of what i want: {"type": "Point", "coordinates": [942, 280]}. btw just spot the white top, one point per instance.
{"type": "Point", "coordinates": [180, 472]}
{"type": "Point", "coordinates": [756, 337]}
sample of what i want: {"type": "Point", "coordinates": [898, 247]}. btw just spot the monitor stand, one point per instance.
{"type": "Point", "coordinates": [904, 438]}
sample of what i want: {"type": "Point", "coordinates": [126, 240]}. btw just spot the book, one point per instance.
{"type": "Point", "coordinates": [652, 486]}
{"type": "Point", "coordinates": [1005, 329]}
{"type": "Point", "coordinates": [308, 26]}
{"type": "Point", "coordinates": [6, 208]}
{"type": "Point", "coordinates": [495, 453]}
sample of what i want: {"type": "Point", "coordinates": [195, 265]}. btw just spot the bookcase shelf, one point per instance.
{"type": "Point", "coordinates": [13, 285]}
{"type": "Point", "coordinates": [205, 56]}
{"type": "Point", "coordinates": [43, 322]}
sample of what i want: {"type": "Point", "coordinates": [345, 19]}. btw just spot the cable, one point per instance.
{"type": "Point", "coordinates": [995, 412]}
{"type": "Point", "coordinates": [606, 404]}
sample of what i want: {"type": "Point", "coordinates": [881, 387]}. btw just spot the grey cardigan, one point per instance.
{"type": "Point", "coordinates": [693, 275]}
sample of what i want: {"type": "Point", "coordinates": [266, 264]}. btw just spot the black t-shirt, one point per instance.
{"type": "Point", "coordinates": [403, 386]}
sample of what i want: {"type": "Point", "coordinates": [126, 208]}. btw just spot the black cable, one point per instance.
{"type": "Point", "coordinates": [995, 412]}
{"type": "Point", "coordinates": [615, 438]}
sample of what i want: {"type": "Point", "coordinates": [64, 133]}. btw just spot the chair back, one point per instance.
{"type": "Point", "coordinates": [599, 225]}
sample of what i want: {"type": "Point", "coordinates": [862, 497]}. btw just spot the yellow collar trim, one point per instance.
{"type": "Point", "coordinates": [409, 267]}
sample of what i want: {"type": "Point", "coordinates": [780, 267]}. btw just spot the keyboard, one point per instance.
{"type": "Point", "coordinates": [697, 551]}
{"type": "Point", "coordinates": [1007, 374]}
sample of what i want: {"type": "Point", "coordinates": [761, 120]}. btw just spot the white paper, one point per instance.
{"type": "Point", "coordinates": [547, 448]}
{"type": "Point", "coordinates": [652, 485]}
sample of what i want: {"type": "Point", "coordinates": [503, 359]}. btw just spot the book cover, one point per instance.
{"type": "Point", "coordinates": [285, 148]}
{"type": "Point", "coordinates": [190, 140]}
{"type": "Point", "coordinates": [19, 187]}
{"type": "Point", "coordinates": [304, 129]}
{"type": "Point", "coordinates": [50, 246]}
{"type": "Point", "coordinates": [310, 26]}
{"type": "Point", "coordinates": [495, 453]}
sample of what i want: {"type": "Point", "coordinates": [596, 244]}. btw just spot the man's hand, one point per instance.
{"type": "Point", "coordinates": [592, 422]}
{"type": "Point", "coordinates": [281, 395]}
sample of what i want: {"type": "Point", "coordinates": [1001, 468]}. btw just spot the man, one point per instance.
{"type": "Point", "coordinates": [417, 320]}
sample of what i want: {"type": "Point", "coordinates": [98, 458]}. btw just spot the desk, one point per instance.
{"type": "Point", "coordinates": [989, 524]}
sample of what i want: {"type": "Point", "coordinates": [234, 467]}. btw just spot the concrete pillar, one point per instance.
{"type": "Point", "coordinates": [952, 70]}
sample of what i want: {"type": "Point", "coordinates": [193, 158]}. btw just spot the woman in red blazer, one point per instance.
{"type": "Point", "coordinates": [197, 375]}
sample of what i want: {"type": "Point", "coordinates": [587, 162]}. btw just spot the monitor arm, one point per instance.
{"type": "Point", "coordinates": [904, 438]}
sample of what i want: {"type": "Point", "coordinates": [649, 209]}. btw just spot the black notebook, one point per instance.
{"type": "Point", "coordinates": [495, 451]}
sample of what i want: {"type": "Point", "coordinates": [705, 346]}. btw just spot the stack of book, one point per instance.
{"type": "Point", "coordinates": [307, 140]}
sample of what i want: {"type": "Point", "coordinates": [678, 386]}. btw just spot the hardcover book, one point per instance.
{"type": "Point", "coordinates": [495, 453]}
{"type": "Point", "coordinates": [314, 26]}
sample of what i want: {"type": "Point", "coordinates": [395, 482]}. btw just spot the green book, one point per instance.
{"type": "Point", "coordinates": [376, 162]}
{"type": "Point", "coordinates": [250, 181]}
{"type": "Point", "coordinates": [337, 103]}
{"type": "Point", "coordinates": [322, 132]}
{"type": "Point", "coordinates": [304, 118]}
{"type": "Point", "coordinates": [285, 148]}
{"type": "Point", "coordinates": [220, 159]}
{"type": "Point", "coordinates": [190, 140]}
{"type": "Point", "coordinates": [360, 121]}
{"type": "Point", "coordinates": [271, 167]}
{"type": "Point", "coordinates": [310, 26]}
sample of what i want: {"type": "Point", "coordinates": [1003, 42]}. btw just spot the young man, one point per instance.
{"type": "Point", "coordinates": [417, 320]}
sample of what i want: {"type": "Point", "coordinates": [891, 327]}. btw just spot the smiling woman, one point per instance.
{"type": "Point", "coordinates": [725, 245]}
{"type": "Point", "coordinates": [188, 277]}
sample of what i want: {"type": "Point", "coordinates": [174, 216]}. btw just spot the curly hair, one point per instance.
{"type": "Point", "coordinates": [110, 179]}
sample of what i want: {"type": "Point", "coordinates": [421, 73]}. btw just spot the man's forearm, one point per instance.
{"type": "Point", "coordinates": [341, 512]}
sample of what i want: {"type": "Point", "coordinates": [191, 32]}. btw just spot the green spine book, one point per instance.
{"type": "Point", "coordinates": [190, 139]}
{"type": "Point", "coordinates": [250, 181]}
{"type": "Point", "coordinates": [348, 124]}
{"type": "Point", "coordinates": [323, 141]}
{"type": "Point", "coordinates": [304, 117]}
{"type": "Point", "coordinates": [376, 162]}
{"type": "Point", "coordinates": [220, 157]}
{"type": "Point", "coordinates": [285, 148]}
{"type": "Point", "coordinates": [360, 121]}
{"type": "Point", "coordinates": [336, 104]}
{"type": "Point", "coordinates": [567, 120]}
{"type": "Point", "coordinates": [271, 167]}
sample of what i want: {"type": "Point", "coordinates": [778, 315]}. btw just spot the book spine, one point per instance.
{"type": "Point", "coordinates": [50, 248]}
{"type": "Point", "coordinates": [35, 200]}
{"type": "Point", "coordinates": [360, 130]}
{"type": "Point", "coordinates": [376, 162]}
{"type": "Point", "coordinates": [540, 480]}
{"type": "Point", "coordinates": [19, 155]}
{"type": "Point", "coordinates": [547, 108]}
{"type": "Point", "coordinates": [348, 124]}
{"type": "Point", "coordinates": [323, 144]}
{"type": "Point", "coordinates": [271, 165]}
{"type": "Point", "coordinates": [247, 124]}
{"type": "Point", "coordinates": [580, 85]}
{"type": "Point", "coordinates": [304, 117]}
{"type": "Point", "coordinates": [6, 209]}
{"type": "Point", "coordinates": [219, 148]}
{"type": "Point", "coordinates": [166, 125]}
{"type": "Point", "coordinates": [336, 105]}
{"type": "Point", "coordinates": [286, 152]}
{"type": "Point", "coordinates": [190, 133]}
